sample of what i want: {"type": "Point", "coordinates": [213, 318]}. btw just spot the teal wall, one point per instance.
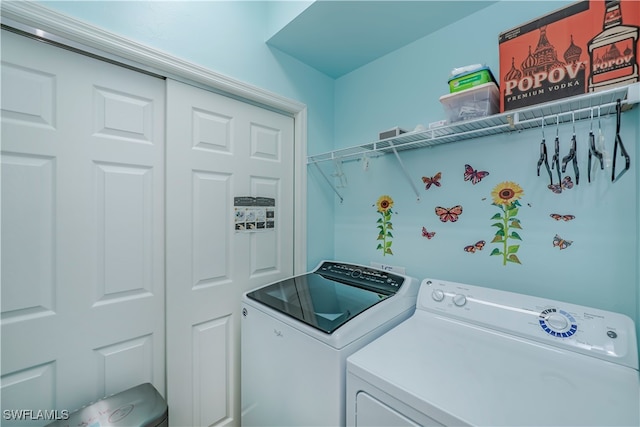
{"type": "Point", "coordinates": [599, 269]}
{"type": "Point", "coordinates": [280, 13]}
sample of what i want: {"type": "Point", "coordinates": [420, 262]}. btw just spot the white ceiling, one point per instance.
{"type": "Point", "coordinates": [337, 37]}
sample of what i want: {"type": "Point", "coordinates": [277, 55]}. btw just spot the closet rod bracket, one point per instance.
{"type": "Point", "coordinates": [404, 171]}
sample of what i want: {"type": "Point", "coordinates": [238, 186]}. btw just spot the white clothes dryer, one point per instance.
{"type": "Point", "coordinates": [297, 334]}
{"type": "Point", "coordinates": [483, 357]}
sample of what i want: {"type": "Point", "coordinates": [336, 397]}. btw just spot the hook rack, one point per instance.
{"type": "Point", "coordinates": [575, 108]}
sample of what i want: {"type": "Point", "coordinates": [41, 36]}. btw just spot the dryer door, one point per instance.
{"type": "Point", "coordinates": [371, 412]}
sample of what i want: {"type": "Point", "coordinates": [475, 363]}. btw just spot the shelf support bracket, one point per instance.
{"type": "Point", "coordinates": [329, 182]}
{"type": "Point", "coordinates": [404, 171]}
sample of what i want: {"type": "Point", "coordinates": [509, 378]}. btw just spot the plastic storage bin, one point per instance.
{"type": "Point", "coordinates": [479, 101]}
{"type": "Point", "coordinates": [140, 406]}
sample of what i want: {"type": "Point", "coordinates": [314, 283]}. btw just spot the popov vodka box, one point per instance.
{"type": "Point", "coordinates": [584, 47]}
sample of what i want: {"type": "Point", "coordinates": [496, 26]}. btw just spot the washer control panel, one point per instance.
{"type": "Point", "coordinates": [604, 334]}
{"type": "Point", "coordinates": [358, 275]}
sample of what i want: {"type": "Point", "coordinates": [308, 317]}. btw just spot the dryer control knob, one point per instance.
{"type": "Point", "coordinates": [557, 321]}
{"type": "Point", "coordinates": [437, 295]}
{"type": "Point", "coordinates": [459, 300]}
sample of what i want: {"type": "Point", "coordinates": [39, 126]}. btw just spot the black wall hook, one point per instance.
{"type": "Point", "coordinates": [555, 161]}
{"type": "Point", "coordinates": [544, 158]}
{"type": "Point", "coordinates": [572, 154]}
{"type": "Point", "coordinates": [618, 142]}
{"type": "Point", "coordinates": [572, 157]}
{"type": "Point", "coordinates": [593, 151]}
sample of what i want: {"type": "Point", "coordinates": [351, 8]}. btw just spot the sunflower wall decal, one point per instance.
{"type": "Point", "coordinates": [505, 196]}
{"type": "Point", "coordinates": [384, 205]}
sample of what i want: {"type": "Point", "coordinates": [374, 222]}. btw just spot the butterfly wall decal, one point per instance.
{"type": "Point", "coordinates": [477, 247]}
{"type": "Point", "coordinates": [561, 243]}
{"type": "Point", "coordinates": [565, 184]}
{"type": "Point", "coordinates": [427, 234]}
{"type": "Point", "coordinates": [448, 214]}
{"type": "Point", "coordinates": [473, 175]}
{"type": "Point", "coordinates": [434, 180]}
{"type": "Point", "coordinates": [558, 217]}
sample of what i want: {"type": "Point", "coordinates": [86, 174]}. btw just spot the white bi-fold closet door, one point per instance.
{"type": "Point", "coordinates": [90, 183]}
{"type": "Point", "coordinates": [82, 227]}
{"type": "Point", "coordinates": [219, 148]}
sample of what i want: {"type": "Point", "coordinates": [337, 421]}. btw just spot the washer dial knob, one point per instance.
{"type": "Point", "coordinates": [437, 295]}
{"type": "Point", "coordinates": [557, 323]}
{"type": "Point", "coordinates": [459, 300]}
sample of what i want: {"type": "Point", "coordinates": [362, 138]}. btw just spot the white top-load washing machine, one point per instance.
{"type": "Point", "coordinates": [297, 334]}
{"type": "Point", "coordinates": [484, 357]}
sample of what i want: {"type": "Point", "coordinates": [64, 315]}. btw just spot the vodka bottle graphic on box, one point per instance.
{"type": "Point", "coordinates": [613, 52]}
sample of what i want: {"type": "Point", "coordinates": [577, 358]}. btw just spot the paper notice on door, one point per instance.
{"type": "Point", "coordinates": [254, 214]}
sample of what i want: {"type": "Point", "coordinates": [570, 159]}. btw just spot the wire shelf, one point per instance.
{"type": "Point", "coordinates": [576, 108]}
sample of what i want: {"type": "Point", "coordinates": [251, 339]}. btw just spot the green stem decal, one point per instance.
{"type": "Point", "coordinates": [505, 196]}
{"type": "Point", "coordinates": [385, 226]}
